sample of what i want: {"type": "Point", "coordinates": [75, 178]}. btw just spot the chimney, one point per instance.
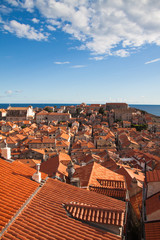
{"type": "Point", "coordinates": [75, 182]}
{"type": "Point", "coordinates": [70, 169]}
{"type": "Point", "coordinates": [6, 152]}
{"type": "Point", "coordinates": [69, 131]}
{"type": "Point", "coordinates": [37, 176]}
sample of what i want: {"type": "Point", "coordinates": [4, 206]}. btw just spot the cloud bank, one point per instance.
{"type": "Point", "coordinates": [101, 26]}
{"type": "Point", "coordinates": [24, 31]}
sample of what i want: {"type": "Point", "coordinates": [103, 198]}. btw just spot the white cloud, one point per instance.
{"type": "Point", "coordinates": [98, 58]}
{"type": "Point", "coordinates": [102, 26]}
{"type": "Point", "coordinates": [8, 92]}
{"type": "Point", "coordinates": [54, 22]}
{"type": "Point", "coordinates": [28, 4]}
{"type": "Point", "coordinates": [51, 28]}
{"type": "Point", "coordinates": [152, 61]}
{"type": "Point", "coordinates": [121, 53]}
{"type": "Point", "coordinates": [35, 20]}
{"type": "Point", "coordinates": [14, 3]}
{"type": "Point", "coordinates": [24, 31]}
{"type": "Point", "coordinates": [78, 66]}
{"type": "Point", "coordinates": [59, 63]}
{"type": "Point", "coordinates": [4, 9]}
{"type": "Point", "coordinates": [1, 21]}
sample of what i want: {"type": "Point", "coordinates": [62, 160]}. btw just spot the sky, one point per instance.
{"type": "Point", "coordinates": [74, 51]}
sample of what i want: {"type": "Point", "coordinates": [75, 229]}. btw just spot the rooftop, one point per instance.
{"type": "Point", "coordinates": [16, 188]}
{"type": "Point", "coordinates": [46, 209]}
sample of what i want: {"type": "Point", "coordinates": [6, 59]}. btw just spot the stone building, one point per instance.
{"type": "Point", "coordinates": [20, 113]}
{"type": "Point", "coordinates": [58, 117]}
{"type": "Point", "coordinates": [3, 114]}
{"type": "Point", "coordinates": [42, 116]}
{"type": "Point", "coordinates": [110, 106]}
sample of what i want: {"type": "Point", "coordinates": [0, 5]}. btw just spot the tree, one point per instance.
{"type": "Point", "coordinates": [101, 110]}
{"type": "Point", "coordinates": [78, 110]}
{"type": "Point", "coordinates": [139, 127]}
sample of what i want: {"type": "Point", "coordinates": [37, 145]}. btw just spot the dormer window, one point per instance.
{"type": "Point", "coordinates": [98, 216]}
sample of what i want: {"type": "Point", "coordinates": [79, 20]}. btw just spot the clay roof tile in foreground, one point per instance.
{"type": "Point", "coordinates": [94, 214]}
{"type": "Point", "coordinates": [115, 193]}
{"type": "Point", "coordinates": [16, 187]}
{"type": "Point", "coordinates": [46, 218]}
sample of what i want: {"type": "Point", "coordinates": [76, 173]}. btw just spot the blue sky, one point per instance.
{"type": "Point", "coordinates": [74, 51]}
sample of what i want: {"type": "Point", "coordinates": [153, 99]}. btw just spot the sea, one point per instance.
{"type": "Point", "coordinates": [153, 109]}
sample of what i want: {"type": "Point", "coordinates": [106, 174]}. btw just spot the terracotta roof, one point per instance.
{"type": "Point", "coordinates": [27, 122]}
{"type": "Point", "coordinates": [42, 140]}
{"type": "Point", "coordinates": [153, 176]}
{"type": "Point", "coordinates": [63, 135]}
{"type": "Point", "coordinates": [11, 140]}
{"type": "Point", "coordinates": [152, 230]}
{"type": "Point", "coordinates": [113, 183]}
{"type": "Point", "coordinates": [62, 143]}
{"type": "Point", "coordinates": [54, 167]}
{"type": "Point", "coordinates": [94, 214]}
{"type": "Point", "coordinates": [2, 110]}
{"type": "Point", "coordinates": [29, 162]}
{"type": "Point", "coordinates": [16, 188]}
{"type": "Point", "coordinates": [110, 164]}
{"type": "Point", "coordinates": [136, 202]}
{"type": "Point", "coordinates": [64, 156]}
{"type": "Point", "coordinates": [153, 205]}
{"type": "Point", "coordinates": [43, 112]}
{"type": "Point", "coordinates": [125, 140]}
{"type": "Point", "coordinates": [115, 193]}
{"type": "Point", "coordinates": [46, 218]}
{"type": "Point", "coordinates": [20, 136]}
{"type": "Point", "coordinates": [59, 114]}
{"type": "Point", "coordinates": [90, 174]}
{"type": "Point", "coordinates": [17, 108]}
{"type": "Point", "coordinates": [131, 173]}
{"type": "Point", "coordinates": [42, 151]}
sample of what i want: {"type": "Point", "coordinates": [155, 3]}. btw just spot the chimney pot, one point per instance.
{"type": "Point", "coordinates": [37, 176]}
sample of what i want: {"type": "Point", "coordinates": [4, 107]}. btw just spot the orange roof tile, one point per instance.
{"type": "Point", "coordinates": [59, 114]}
{"type": "Point", "coordinates": [136, 202]}
{"type": "Point", "coordinates": [42, 151]}
{"type": "Point", "coordinates": [18, 108]}
{"type": "Point", "coordinates": [152, 230]}
{"type": "Point", "coordinates": [153, 205]}
{"type": "Point", "coordinates": [42, 140]}
{"type": "Point", "coordinates": [110, 164]}
{"type": "Point", "coordinates": [29, 162]}
{"type": "Point", "coordinates": [90, 174]}
{"type": "Point", "coordinates": [64, 156]}
{"type": "Point", "coordinates": [131, 173]}
{"type": "Point", "coordinates": [16, 188]}
{"type": "Point", "coordinates": [110, 192]}
{"type": "Point", "coordinates": [46, 218]}
{"type": "Point", "coordinates": [43, 112]}
{"type": "Point", "coordinates": [153, 176]}
{"type": "Point", "coordinates": [54, 167]}
{"type": "Point", "coordinates": [94, 214]}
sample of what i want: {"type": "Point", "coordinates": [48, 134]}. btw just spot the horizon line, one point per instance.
{"type": "Point", "coordinates": [81, 103]}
